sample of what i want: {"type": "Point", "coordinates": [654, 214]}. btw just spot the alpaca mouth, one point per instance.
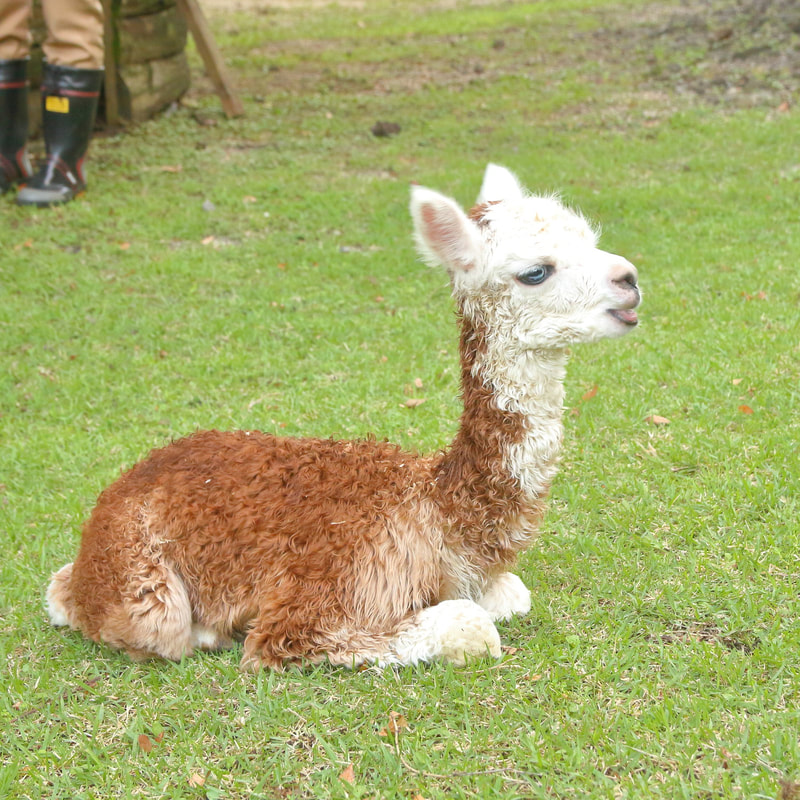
{"type": "Point", "coordinates": [627, 316]}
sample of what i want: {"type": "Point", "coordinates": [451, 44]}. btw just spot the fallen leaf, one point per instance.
{"type": "Point", "coordinates": [397, 722]}
{"type": "Point", "coordinates": [171, 168]}
{"type": "Point", "coordinates": [746, 410]}
{"type": "Point", "coordinates": [654, 419]}
{"type": "Point", "coordinates": [721, 35]}
{"type": "Point", "coordinates": [207, 240]}
{"type": "Point", "coordinates": [196, 779]}
{"type": "Point", "coordinates": [348, 774]}
{"type": "Point", "coordinates": [418, 383]}
{"type": "Point", "coordinates": [737, 381]}
{"type": "Point", "coordinates": [727, 757]}
{"type": "Point", "coordinates": [124, 245]}
{"type": "Point", "coordinates": [413, 402]}
{"type": "Point", "coordinates": [784, 107]}
{"type": "Point", "coordinates": [145, 745]}
{"type": "Point", "coordinates": [248, 198]}
{"type": "Point", "coordinates": [590, 394]}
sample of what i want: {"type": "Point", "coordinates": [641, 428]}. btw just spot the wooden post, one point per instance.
{"type": "Point", "coordinates": [113, 118]}
{"type": "Point", "coordinates": [211, 56]}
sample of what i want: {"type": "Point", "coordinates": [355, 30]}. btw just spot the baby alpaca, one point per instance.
{"type": "Point", "coordinates": [355, 551]}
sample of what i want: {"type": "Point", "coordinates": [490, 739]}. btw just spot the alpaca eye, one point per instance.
{"type": "Point", "coordinates": [535, 275]}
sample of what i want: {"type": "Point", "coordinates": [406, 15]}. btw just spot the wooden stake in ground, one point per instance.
{"type": "Point", "coordinates": [110, 75]}
{"type": "Point", "coordinates": [212, 59]}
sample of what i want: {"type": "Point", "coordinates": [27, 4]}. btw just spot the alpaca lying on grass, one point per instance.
{"type": "Point", "coordinates": [357, 551]}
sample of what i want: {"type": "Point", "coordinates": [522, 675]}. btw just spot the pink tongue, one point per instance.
{"type": "Point", "coordinates": [628, 316]}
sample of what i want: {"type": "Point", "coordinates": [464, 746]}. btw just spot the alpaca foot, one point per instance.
{"type": "Point", "coordinates": [505, 596]}
{"type": "Point", "coordinates": [453, 630]}
{"type": "Point", "coordinates": [205, 638]}
{"type": "Point", "coordinates": [59, 597]}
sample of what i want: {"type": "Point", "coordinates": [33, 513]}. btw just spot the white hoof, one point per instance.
{"type": "Point", "coordinates": [204, 638]}
{"type": "Point", "coordinates": [58, 596]}
{"type": "Point", "coordinates": [453, 630]}
{"type": "Point", "coordinates": [505, 596]}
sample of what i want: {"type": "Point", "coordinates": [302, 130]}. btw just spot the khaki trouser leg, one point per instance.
{"type": "Point", "coordinates": [15, 32]}
{"type": "Point", "coordinates": [74, 33]}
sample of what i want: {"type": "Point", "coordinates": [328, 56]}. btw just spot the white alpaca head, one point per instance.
{"type": "Point", "coordinates": [526, 265]}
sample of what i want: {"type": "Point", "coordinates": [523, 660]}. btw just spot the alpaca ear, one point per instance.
{"type": "Point", "coordinates": [499, 183]}
{"type": "Point", "coordinates": [443, 232]}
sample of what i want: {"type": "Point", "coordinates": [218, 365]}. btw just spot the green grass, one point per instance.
{"type": "Point", "coordinates": [661, 658]}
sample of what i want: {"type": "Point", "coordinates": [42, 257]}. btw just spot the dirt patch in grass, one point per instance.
{"type": "Point", "coordinates": [744, 52]}
{"type": "Point", "coordinates": [745, 641]}
{"type": "Point", "coordinates": [735, 53]}
{"type": "Point", "coordinates": [789, 790]}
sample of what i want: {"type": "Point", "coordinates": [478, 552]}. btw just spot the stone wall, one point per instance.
{"type": "Point", "coordinates": [149, 42]}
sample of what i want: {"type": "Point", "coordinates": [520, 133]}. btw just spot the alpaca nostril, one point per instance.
{"type": "Point", "coordinates": [625, 275]}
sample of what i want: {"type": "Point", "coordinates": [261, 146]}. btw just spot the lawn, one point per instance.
{"type": "Point", "coordinates": [260, 273]}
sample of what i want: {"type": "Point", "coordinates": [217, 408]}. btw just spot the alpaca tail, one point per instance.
{"type": "Point", "coordinates": [59, 598]}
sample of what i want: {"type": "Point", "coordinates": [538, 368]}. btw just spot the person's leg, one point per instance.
{"type": "Point", "coordinates": [15, 42]}
{"type": "Point", "coordinates": [71, 83]}
{"type": "Point", "coordinates": [15, 32]}
{"type": "Point", "coordinates": [74, 33]}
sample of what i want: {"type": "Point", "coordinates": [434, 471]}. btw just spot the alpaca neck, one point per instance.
{"type": "Point", "coordinates": [493, 479]}
{"type": "Point", "coordinates": [531, 386]}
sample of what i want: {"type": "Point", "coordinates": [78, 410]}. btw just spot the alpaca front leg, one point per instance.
{"type": "Point", "coordinates": [505, 596]}
{"type": "Point", "coordinates": [453, 630]}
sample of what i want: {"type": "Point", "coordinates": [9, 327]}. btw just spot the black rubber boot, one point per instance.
{"type": "Point", "coordinates": [14, 164]}
{"type": "Point", "coordinates": [69, 105]}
